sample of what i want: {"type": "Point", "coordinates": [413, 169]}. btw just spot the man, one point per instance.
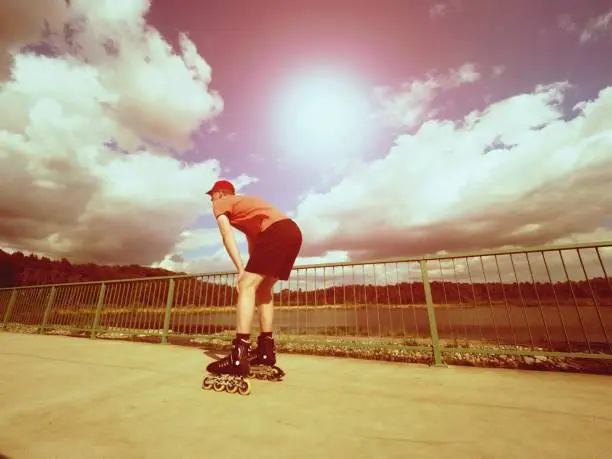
{"type": "Point", "coordinates": [274, 242]}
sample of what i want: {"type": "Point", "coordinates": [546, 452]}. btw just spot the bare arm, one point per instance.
{"type": "Point", "coordinates": [250, 245]}
{"type": "Point", "coordinates": [230, 242]}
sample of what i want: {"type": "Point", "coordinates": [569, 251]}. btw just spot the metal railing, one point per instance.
{"type": "Point", "coordinates": [551, 301]}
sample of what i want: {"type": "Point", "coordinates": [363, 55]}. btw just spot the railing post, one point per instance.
{"type": "Point", "coordinates": [431, 315]}
{"type": "Point", "coordinates": [50, 300]}
{"type": "Point", "coordinates": [169, 302]}
{"type": "Point", "coordinates": [96, 324]}
{"type": "Point", "coordinates": [9, 308]}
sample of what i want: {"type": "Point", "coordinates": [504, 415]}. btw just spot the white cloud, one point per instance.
{"type": "Point", "coordinates": [542, 179]}
{"type": "Point", "coordinates": [445, 8]}
{"type": "Point", "coordinates": [499, 70]}
{"type": "Point", "coordinates": [22, 23]}
{"type": "Point", "coordinates": [194, 239]}
{"type": "Point", "coordinates": [597, 27]}
{"type": "Point", "coordinates": [334, 256]}
{"type": "Point", "coordinates": [465, 74]}
{"type": "Point", "coordinates": [215, 263]}
{"type": "Point", "coordinates": [565, 22]}
{"type": "Point", "coordinates": [86, 131]}
{"type": "Point", "coordinates": [438, 10]}
{"type": "Point", "coordinates": [593, 30]}
{"type": "Point", "coordinates": [219, 261]}
{"type": "Point", "coordinates": [411, 104]}
{"type": "Point", "coordinates": [204, 238]}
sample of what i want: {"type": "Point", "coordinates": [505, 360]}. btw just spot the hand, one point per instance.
{"type": "Point", "coordinates": [239, 277]}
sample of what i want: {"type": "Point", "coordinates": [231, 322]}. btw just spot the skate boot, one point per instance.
{"type": "Point", "coordinates": [228, 374]}
{"type": "Point", "coordinates": [262, 361]}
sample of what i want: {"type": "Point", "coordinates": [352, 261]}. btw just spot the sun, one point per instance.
{"type": "Point", "coordinates": [322, 114]}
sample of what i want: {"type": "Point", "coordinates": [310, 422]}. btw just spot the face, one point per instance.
{"type": "Point", "coordinates": [216, 195]}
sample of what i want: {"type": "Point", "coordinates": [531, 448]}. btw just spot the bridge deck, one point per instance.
{"type": "Point", "coordinates": [69, 398]}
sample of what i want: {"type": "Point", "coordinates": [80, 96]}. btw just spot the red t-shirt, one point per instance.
{"type": "Point", "coordinates": [248, 214]}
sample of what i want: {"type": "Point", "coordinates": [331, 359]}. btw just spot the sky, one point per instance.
{"type": "Point", "coordinates": [386, 128]}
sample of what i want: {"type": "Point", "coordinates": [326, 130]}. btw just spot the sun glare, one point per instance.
{"type": "Point", "coordinates": [322, 114]}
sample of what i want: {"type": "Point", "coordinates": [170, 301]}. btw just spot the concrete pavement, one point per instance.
{"type": "Point", "coordinates": [63, 397]}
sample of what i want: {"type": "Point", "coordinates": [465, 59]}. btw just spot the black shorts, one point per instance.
{"type": "Point", "coordinates": [275, 250]}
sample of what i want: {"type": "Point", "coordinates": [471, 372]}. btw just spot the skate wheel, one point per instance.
{"type": "Point", "coordinates": [244, 388]}
{"type": "Point", "coordinates": [277, 374]}
{"type": "Point", "coordinates": [218, 387]}
{"type": "Point", "coordinates": [207, 384]}
{"type": "Point", "coordinates": [232, 388]}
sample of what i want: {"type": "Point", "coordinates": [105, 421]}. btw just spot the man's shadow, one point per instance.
{"type": "Point", "coordinates": [215, 355]}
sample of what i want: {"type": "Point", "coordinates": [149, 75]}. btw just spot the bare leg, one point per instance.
{"type": "Point", "coordinates": [265, 302]}
{"type": "Point", "coordinates": [264, 360]}
{"type": "Point", "coordinates": [247, 289]}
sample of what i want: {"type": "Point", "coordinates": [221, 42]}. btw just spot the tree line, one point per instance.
{"type": "Point", "coordinates": [17, 269]}
{"type": "Point", "coordinates": [195, 292]}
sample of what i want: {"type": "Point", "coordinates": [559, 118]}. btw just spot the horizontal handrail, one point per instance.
{"type": "Point", "coordinates": [433, 257]}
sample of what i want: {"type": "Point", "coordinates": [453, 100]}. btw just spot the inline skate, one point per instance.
{"type": "Point", "coordinates": [262, 361]}
{"type": "Point", "coordinates": [229, 373]}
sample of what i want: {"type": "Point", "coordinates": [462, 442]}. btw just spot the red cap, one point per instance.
{"type": "Point", "coordinates": [221, 185]}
